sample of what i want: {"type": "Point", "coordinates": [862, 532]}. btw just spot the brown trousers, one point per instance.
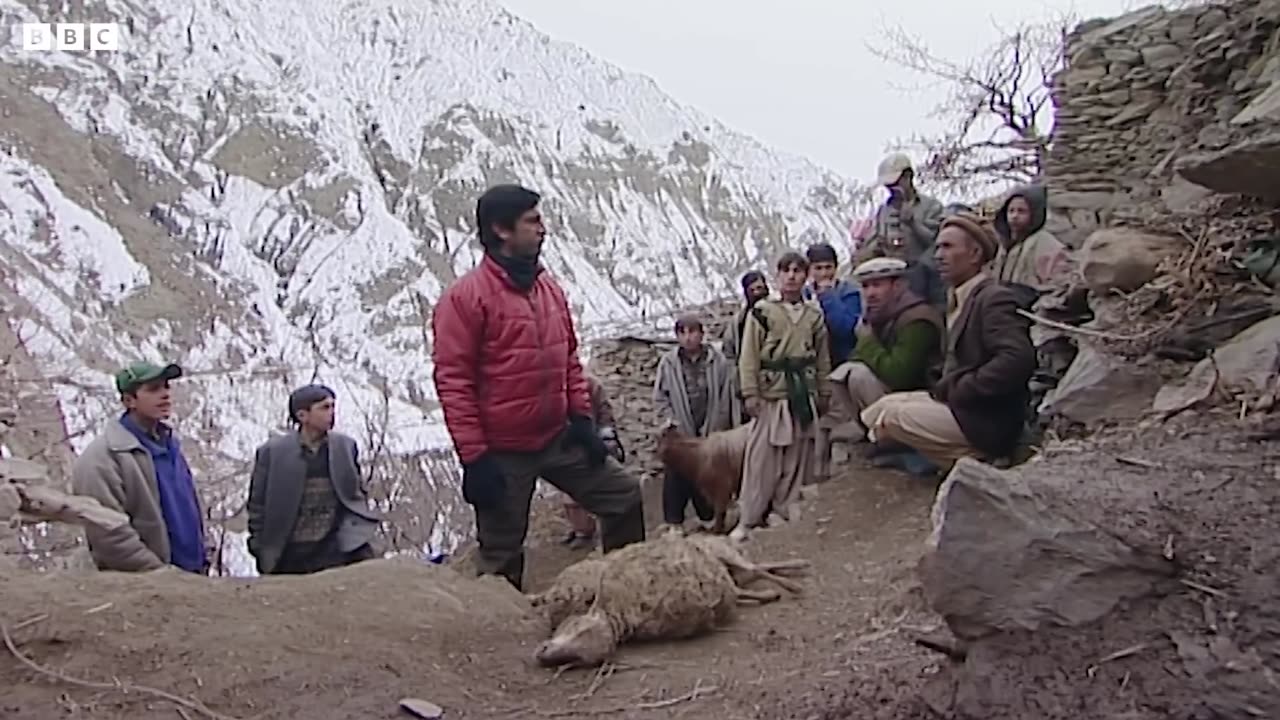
{"type": "Point", "coordinates": [609, 492]}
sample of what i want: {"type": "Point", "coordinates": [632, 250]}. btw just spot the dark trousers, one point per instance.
{"type": "Point", "coordinates": [677, 492]}
{"type": "Point", "coordinates": [608, 491]}
{"type": "Point", "coordinates": [304, 560]}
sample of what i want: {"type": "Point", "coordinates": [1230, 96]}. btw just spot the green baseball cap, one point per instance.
{"type": "Point", "coordinates": [141, 373]}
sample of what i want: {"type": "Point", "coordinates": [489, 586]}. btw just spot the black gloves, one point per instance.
{"type": "Point", "coordinates": [483, 484]}
{"type": "Point", "coordinates": [582, 432]}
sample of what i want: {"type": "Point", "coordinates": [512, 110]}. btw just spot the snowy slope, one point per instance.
{"type": "Point", "coordinates": [271, 191]}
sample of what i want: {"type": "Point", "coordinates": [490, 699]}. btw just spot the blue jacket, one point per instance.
{"type": "Point", "coordinates": [842, 307]}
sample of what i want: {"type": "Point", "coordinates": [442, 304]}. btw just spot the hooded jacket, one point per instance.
{"type": "Point", "coordinates": [1039, 261]}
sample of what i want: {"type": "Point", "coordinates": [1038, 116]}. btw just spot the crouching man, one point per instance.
{"type": "Point", "coordinates": [582, 524]}
{"type": "Point", "coordinates": [515, 397]}
{"type": "Point", "coordinates": [899, 345]}
{"type": "Point", "coordinates": [308, 509]}
{"type": "Point", "coordinates": [136, 466]}
{"type": "Point", "coordinates": [978, 407]}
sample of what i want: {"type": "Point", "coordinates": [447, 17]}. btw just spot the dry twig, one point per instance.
{"type": "Point", "coordinates": [123, 687]}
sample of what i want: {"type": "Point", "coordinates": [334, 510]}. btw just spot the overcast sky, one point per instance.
{"type": "Point", "coordinates": [793, 73]}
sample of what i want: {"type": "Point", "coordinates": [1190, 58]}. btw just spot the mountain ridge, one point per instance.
{"type": "Point", "coordinates": [270, 196]}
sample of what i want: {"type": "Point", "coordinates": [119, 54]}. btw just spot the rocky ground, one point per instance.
{"type": "Point", "coordinates": [350, 643]}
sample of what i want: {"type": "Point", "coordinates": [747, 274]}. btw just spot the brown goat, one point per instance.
{"type": "Point", "coordinates": [713, 464]}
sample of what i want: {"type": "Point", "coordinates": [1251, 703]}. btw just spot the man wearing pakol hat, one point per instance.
{"type": "Point", "coordinates": [136, 466]}
{"type": "Point", "coordinates": [978, 406]}
{"type": "Point", "coordinates": [905, 227]}
{"type": "Point", "coordinates": [899, 344]}
{"type": "Point", "coordinates": [308, 508]}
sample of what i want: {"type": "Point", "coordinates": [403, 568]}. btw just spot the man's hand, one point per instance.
{"type": "Point", "coordinates": [752, 406]}
{"type": "Point", "coordinates": [821, 286]}
{"type": "Point", "coordinates": [613, 444]}
{"type": "Point", "coordinates": [863, 329]}
{"type": "Point", "coordinates": [582, 432]}
{"type": "Point", "coordinates": [483, 484]}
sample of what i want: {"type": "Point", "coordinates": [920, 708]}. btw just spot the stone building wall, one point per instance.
{"type": "Point", "coordinates": [1142, 94]}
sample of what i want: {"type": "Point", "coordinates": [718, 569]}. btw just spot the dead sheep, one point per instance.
{"type": "Point", "coordinates": [669, 588]}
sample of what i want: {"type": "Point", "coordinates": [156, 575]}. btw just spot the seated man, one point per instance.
{"type": "Point", "coordinates": [899, 345]}
{"type": "Point", "coordinates": [978, 407]}
{"type": "Point", "coordinates": [1030, 258]}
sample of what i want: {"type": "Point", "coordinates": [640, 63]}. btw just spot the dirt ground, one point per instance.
{"type": "Point", "coordinates": [349, 643]}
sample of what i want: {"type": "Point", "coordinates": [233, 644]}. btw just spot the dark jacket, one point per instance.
{"type": "Point", "coordinates": [988, 364]}
{"type": "Point", "coordinates": [275, 491]}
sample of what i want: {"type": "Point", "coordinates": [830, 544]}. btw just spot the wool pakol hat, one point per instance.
{"type": "Point", "coordinates": [882, 267]}
{"type": "Point", "coordinates": [140, 373]}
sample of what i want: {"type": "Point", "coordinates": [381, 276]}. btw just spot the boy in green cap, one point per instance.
{"type": "Point", "coordinates": [136, 466]}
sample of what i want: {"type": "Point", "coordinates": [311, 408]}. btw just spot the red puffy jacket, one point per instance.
{"type": "Point", "coordinates": [506, 362]}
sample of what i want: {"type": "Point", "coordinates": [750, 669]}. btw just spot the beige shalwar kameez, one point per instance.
{"type": "Point", "coordinates": [784, 367]}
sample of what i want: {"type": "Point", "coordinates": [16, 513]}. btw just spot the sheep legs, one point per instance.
{"type": "Point", "coordinates": [747, 572]}
{"type": "Point", "coordinates": [759, 596]}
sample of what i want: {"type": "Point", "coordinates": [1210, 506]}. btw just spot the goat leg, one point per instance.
{"type": "Point", "coordinates": [718, 527]}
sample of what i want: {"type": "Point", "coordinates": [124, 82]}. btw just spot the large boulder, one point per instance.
{"type": "Point", "coordinates": [1245, 365]}
{"type": "Point", "coordinates": [1251, 167]}
{"type": "Point", "coordinates": [1098, 387]}
{"type": "Point", "coordinates": [1123, 259]}
{"type": "Point", "coordinates": [1003, 558]}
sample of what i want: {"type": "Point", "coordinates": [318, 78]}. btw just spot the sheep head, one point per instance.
{"type": "Point", "coordinates": [583, 640]}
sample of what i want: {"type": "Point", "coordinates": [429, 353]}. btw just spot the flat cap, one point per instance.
{"type": "Point", "coordinates": [881, 267]}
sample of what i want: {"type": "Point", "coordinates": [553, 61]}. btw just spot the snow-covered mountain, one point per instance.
{"type": "Point", "coordinates": [273, 190]}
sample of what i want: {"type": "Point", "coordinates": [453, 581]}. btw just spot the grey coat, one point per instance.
{"type": "Point", "coordinates": [672, 399]}
{"type": "Point", "coordinates": [275, 491]}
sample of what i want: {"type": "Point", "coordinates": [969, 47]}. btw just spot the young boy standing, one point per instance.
{"type": "Point", "coordinates": [693, 390]}
{"type": "Point", "coordinates": [784, 363]}
{"type": "Point", "coordinates": [582, 524]}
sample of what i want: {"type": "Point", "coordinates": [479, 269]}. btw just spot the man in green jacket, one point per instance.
{"type": "Point", "coordinates": [900, 344]}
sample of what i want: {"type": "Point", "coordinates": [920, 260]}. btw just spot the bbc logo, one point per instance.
{"type": "Point", "coordinates": [70, 36]}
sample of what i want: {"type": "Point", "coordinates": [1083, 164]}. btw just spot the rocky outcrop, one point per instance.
{"type": "Point", "coordinates": [1003, 557]}
{"type": "Point", "coordinates": [1140, 91]}
{"type": "Point", "coordinates": [1249, 167]}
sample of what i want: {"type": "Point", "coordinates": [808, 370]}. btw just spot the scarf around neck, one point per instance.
{"type": "Point", "coordinates": [523, 271]}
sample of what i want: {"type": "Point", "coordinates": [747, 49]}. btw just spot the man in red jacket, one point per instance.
{"type": "Point", "coordinates": [514, 394]}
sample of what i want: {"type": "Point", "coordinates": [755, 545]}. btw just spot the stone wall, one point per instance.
{"type": "Point", "coordinates": [1143, 96]}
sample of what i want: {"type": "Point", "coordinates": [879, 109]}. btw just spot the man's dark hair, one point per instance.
{"type": "Point", "coordinates": [305, 397]}
{"type": "Point", "coordinates": [792, 258]}
{"type": "Point", "coordinates": [502, 205]}
{"type": "Point", "coordinates": [821, 252]}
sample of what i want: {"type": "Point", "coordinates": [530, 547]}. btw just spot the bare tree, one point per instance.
{"type": "Point", "coordinates": [997, 106]}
